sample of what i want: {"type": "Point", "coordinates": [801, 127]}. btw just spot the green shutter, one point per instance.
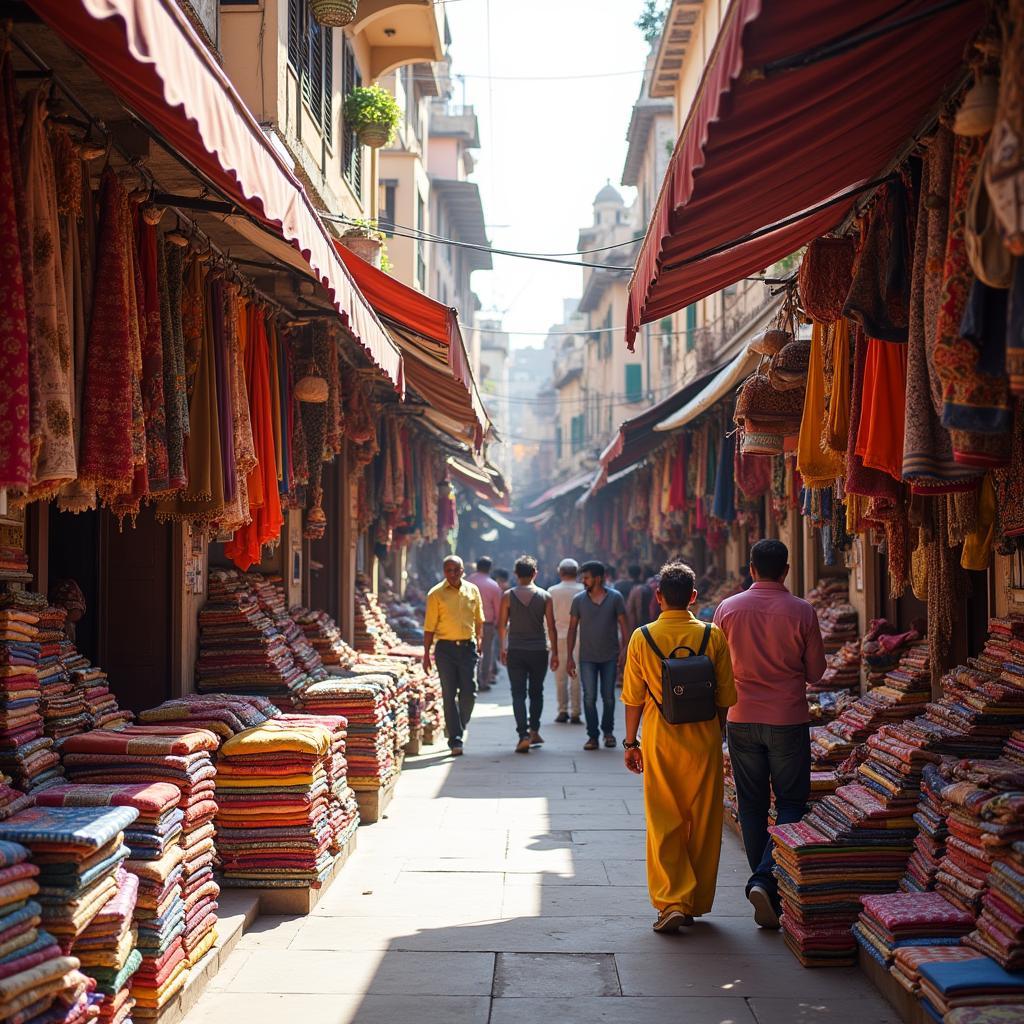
{"type": "Point", "coordinates": [634, 382]}
{"type": "Point", "coordinates": [691, 328]}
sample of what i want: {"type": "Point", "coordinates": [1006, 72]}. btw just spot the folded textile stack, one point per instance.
{"type": "Point", "coordinates": [240, 648]}
{"type": "Point", "coordinates": [373, 635]}
{"type": "Point", "coordinates": [882, 647]}
{"type": "Point", "coordinates": [323, 634]}
{"type": "Point", "coordinates": [14, 565]}
{"type": "Point", "coordinates": [273, 823]}
{"type": "Point", "coordinates": [78, 851]}
{"type": "Point", "coordinates": [975, 983]}
{"type": "Point", "coordinates": [363, 702]}
{"type": "Point", "coordinates": [907, 961]}
{"type": "Point", "coordinates": [63, 705]}
{"type": "Point", "coordinates": [181, 756]}
{"type": "Point", "coordinates": [839, 627]}
{"type": "Point", "coordinates": [225, 714]}
{"type": "Point", "coordinates": [827, 593]}
{"type": "Point", "coordinates": [930, 842]}
{"type": "Point", "coordinates": [1013, 748]}
{"type": "Point", "coordinates": [843, 671]}
{"type": "Point", "coordinates": [91, 682]}
{"type": "Point", "coordinates": [343, 808]}
{"type": "Point", "coordinates": [26, 755]}
{"type": "Point", "coordinates": [1000, 931]}
{"type": "Point", "coordinates": [107, 949]}
{"type": "Point", "coordinates": [897, 919]}
{"type": "Point", "coordinates": [269, 591]}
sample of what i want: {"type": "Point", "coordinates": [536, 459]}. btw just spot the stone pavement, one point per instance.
{"type": "Point", "coordinates": [506, 887]}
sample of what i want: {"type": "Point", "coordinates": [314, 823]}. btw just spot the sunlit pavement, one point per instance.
{"type": "Point", "coordinates": [506, 887]}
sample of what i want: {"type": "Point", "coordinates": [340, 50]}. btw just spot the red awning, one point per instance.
{"type": "Point", "coordinates": [436, 364]}
{"type": "Point", "coordinates": [149, 54]}
{"type": "Point", "coordinates": [762, 145]}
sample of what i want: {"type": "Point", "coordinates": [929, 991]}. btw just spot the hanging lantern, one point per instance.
{"type": "Point", "coordinates": [334, 13]}
{"type": "Point", "coordinates": [311, 387]}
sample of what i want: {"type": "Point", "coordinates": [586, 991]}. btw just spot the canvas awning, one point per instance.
{"type": "Point", "coordinates": [497, 517]}
{"type": "Point", "coordinates": [727, 379]}
{"type": "Point", "coordinates": [152, 58]}
{"type": "Point", "coordinates": [560, 490]}
{"type": "Point", "coordinates": [795, 110]}
{"type": "Point", "coordinates": [436, 362]}
{"type": "Point", "coordinates": [484, 482]}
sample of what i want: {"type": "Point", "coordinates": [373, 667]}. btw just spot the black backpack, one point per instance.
{"type": "Point", "coordinates": [687, 684]}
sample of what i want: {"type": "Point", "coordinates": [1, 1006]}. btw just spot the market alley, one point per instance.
{"type": "Point", "coordinates": [504, 888]}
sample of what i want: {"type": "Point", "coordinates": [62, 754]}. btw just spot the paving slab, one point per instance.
{"type": "Point", "coordinates": [533, 975]}
{"type": "Point", "coordinates": [610, 1010]}
{"type": "Point", "coordinates": [838, 1009]}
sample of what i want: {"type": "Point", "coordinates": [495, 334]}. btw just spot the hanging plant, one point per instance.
{"type": "Point", "coordinates": [334, 13]}
{"type": "Point", "coordinates": [373, 114]}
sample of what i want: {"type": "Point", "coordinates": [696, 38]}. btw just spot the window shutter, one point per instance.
{"type": "Point", "coordinates": [296, 24]}
{"type": "Point", "coordinates": [634, 382]}
{"type": "Point", "coordinates": [314, 72]}
{"type": "Point", "coordinates": [328, 79]}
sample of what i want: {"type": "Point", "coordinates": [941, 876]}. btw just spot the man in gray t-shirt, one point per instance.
{"type": "Point", "coordinates": [599, 614]}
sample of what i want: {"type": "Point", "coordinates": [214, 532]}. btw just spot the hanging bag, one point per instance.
{"type": "Point", "coordinates": [687, 684]}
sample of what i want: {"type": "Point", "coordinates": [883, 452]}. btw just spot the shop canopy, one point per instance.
{"type": "Point", "coordinates": [150, 55]}
{"type": "Point", "coordinates": [726, 380]}
{"type": "Point", "coordinates": [797, 112]}
{"type": "Point", "coordinates": [613, 479]}
{"type": "Point", "coordinates": [484, 482]}
{"type": "Point", "coordinates": [496, 517]}
{"type": "Point", "coordinates": [436, 364]}
{"type": "Point", "coordinates": [560, 490]}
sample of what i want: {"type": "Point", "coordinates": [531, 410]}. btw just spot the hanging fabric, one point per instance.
{"type": "Point", "coordinates": [817, 467]}
{"type": "Point", "coordinates": [169, 274]}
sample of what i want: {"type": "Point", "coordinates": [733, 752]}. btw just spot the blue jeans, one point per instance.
{"type": "Point", "coordinates": [527, 671]}
{"type": "Point", "coordinates": [456, 669]}
{"type": "Point", "coordinates": [592, 674]}
{"type": "Point", "coordinates": [767, 759]}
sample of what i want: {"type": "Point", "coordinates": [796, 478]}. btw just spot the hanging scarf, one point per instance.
{"type": "Point", "coordinates": [835, 434]}
{"type": "Point", "coordinates": [275, 396]}
{"type": "Point", "coordinates": [15, 287]}
{"type": "Point", "coordinates": [170, 260]}
{"type": "Point", "coordinates": [51, 382]}
{"type": "Point", "coordinates": [818, 468]}
{"type": "Point", "coordinates": [225, 413]}
{"type": "Point", "coordinates": [724, 505]}
{"type": "Point", "coordinates": [325, 352]}
{"type": "Point", "coordinates": [107, 460]}
{"type": "Point", "coordinates": [753, 473]}
{"type": "Point", "coordinates": [947, 588]}
{"type": "Point", "coordinates": [154, 406]}
{"type": "Point", "coordinates": [1009, 487]}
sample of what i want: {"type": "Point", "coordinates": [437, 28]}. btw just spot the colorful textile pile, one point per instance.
{"type": "Point", "coordinates": [1000, 931]}
{"type": "Point", "coordinates": [364, 702]}
{"type": "Point", "coordinates": [108, 952]}
{"type": "Point", "coordinates": [63, 705]}
{"type": "Point", "coordinates": [895, 920]}
{"type": "Point", "coordinates": [373, 635]}
{"type": "Point", "coordinates": [177, 907]}
{"type": "Point", "coordinates": [91, 683]}
{"type": "Point", "coordinates": [907, 961]}
{"type": "Point", "coordinates": [273, 795]}
{"type": "Point", "coordinates": [930, 842]}
{"type": "Point", "coordinates": [1013, 749]}
{"type": "Point", "coordinates": [838, 627]}
{"type": "Point", "coordinates": [225, 714]}
{"type": "Point", "coordinates": [975, 983]}
{"type": "Point", "coordinates": [78, 851]}
{"type": "Point", "coordinates": [323, 634]}
{"type": "Point", "coordinates": [240, 648]}
{"type": "Point", "coordinates": [843, 671]}
{"type": "Point", "coordinates": [882, 647]}
{"type": "Point", "coordinates": [26, 755]}
{"type": "Point", "coordinates": [269, 592]}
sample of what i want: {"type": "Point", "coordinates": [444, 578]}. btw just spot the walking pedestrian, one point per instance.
{"type": "Point", "coordinates": [525, 611]}
{"type": "Point", "coordinates": [454, 616]}
{"type": "Point", "coordinates": [681, 763]}
{"type": "Point", "coordinates": [562, 594]}
{"type": "Point", "coordinates": [638, 604]}
{"type": "Point", "coordinates": [776, 648]}
{"type": "Point", "coordinates": [490, 594]}
{"type": "Point", "coordinates": [598, 616]}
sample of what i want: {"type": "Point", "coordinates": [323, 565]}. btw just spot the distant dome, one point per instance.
{"type": "Point", "coordinates": [609, 194]}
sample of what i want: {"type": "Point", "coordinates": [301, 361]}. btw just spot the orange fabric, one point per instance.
{"type": "Point", "coordinates": [245, 547]}
{"type": "Point", "coordinates": [883, 409]}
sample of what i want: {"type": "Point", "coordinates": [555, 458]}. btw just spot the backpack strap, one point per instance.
{"type": "Point", "coordinates": [704, 639]}
{"type": "Point", "coordinates": [650, 640]}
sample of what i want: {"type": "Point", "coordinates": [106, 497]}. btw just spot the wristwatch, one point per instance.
{"type": "Point", "coordinates": [635, 745]}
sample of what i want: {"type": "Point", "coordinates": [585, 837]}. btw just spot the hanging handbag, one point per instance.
{"type": "Point", "coordinates": [687, 684]}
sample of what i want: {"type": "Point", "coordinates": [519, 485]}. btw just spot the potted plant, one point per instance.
{"type": "Point", "coordinates": [366, 241]}
{"type": "Point", "coordinates": [334, 13]}
{"type": "Point", "coordinates": [373, 114]}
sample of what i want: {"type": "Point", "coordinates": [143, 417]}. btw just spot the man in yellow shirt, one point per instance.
{"type": "Point", "coordinates": [681, 764]}
{"type": "Point", "coordinates": [455, 619]}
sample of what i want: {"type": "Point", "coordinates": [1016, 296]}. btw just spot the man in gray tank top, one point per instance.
{"type": "Point", "coordinates": [525, 610]}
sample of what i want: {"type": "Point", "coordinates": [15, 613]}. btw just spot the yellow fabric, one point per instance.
{"type": "Point", "coordinates": [977, 552]}
{"type": "Point", "coordinates": [836, 435]}
{"type": "Point", "coordinates": [300, 739]}
{"type": "Point", "coordinates": [817, 467]}
{"type": "Point", "coordinates": [682, 769]}
{"type": "Point", "coordinates": [453, 614]}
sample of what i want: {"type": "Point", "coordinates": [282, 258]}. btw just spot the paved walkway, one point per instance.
{"type": "Point", "coordinates": [504, 888]}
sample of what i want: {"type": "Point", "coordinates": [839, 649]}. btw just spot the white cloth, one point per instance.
{"type": "Point", "coordinates": [562, 595]}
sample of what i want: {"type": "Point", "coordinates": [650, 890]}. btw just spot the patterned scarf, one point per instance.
{"type": "Point", "coordinates": [15, 279]}
{"type": "Point", "coordinates": [154, 406]}
{"type": "Point", "coordinates": [51, 383]}
{"type": "Point", "coordinates": [169, 274]}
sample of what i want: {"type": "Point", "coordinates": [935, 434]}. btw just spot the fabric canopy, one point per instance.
{"type": "Point", "coordinates": [497, 517]}
{"type": "Point", "coordinates": [481, 482]}
{"type": "Point", "coordinates": [560, 490]}
{"type": "Point", "coordinates": [150, 55]}
{"type": "Point", "coordinates": [728, 378]}
{"type": "Point", "coordinates": [436, 364]}
{"type": "Point", "coordinates": [761, 145]}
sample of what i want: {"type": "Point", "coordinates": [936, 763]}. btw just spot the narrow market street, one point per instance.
{"type": "Point", "coordinates": [504, 887]}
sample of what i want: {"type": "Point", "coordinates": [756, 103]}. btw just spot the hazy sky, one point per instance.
{"type": "Point", "coordinates": [548, 144]}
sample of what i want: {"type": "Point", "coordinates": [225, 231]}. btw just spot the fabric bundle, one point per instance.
{"type": "Point", "coordinates": [90, 682]}
{"type": "Point", "coordinates": [79, 851]}
{"type": "Point", "coordinates": [221, 713]}
{"type": "Point", "coordinates": [273, 795]}
{"type": "Point", "coordinates": [895, 920]}
{"type": "Point", "coordinates": [907, 961]}
{"type": "Point", "coordinates": [63, 705]}
{"type": "Point", "coordinates": [930, 842]}
{"type": "Point", "coordinates": [1000, 930]}
{"type": "Point", "coordinates": [269, 592]}
{"type": "Point", "coordinates": [972, 984]}
{"type": "Point", "coordinates": [324, 635]}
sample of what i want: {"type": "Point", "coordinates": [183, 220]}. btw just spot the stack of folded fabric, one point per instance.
{"type": "Point", "coordinates": [78, 851]}
{"type": "Point", "coordinates": [898, 919]}
{"type": "Point", "coordinates": [182, 757]}
{"type": "Point", "coordinates": [240, 648]}
{"type": "Point", "coordinates": [225, 714]}
{"type": "Point", "coordinates": [843, 671]}
{"type": "Point", "coordinates": [930, 842]}
{"type": "Point", "coordinates": [63, 705]}
{"type": "Point", "coordinates": [839, 627]}
{"type": "Point", "coordinates": [363, 702]}
{"type": "Point", "coordinates": [373, 635]}
{"type": "Point", "coordinates": [977, 983]}
{"type": "Point", "coordinates": [882, 647]}
{"type": "Point", "coordinates": [893, 768]}
{"type": "Point", "coordinates": [273, 823]}
{"type": "Point", "coordinates": [92, 683]}
{"type": "Point", "coordinates": [14, 565]}
{"type": "Point", "coordinates": [827, 706]}
{"type": "Point", "coordinates": [1000, 931]}
{"type": "Point", "coordinates": [343, 809]}
{"type": "Point", "coordinates": [269, 592]}
{"type": "Point", "coordinates": [324, 636]}
{"type": "Point", "coordinates": [1013, 748]}
{"type": "Point", "coordinates": [907, 961]}
{"type": "Point", "coordinates": [108, 952]}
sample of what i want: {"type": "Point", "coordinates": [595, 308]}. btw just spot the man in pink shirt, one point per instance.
{"type": "Point", "coordinates": [490, 594]}
{"type": "Point", "coordinates": [776, 649]}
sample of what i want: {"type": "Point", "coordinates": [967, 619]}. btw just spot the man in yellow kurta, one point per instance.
{"type": "Point", "coordinates": [681, 764]}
